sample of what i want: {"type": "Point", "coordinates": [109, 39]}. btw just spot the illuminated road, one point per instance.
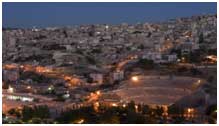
{"type": "Point", "coordinates": [49, 72]}
{"type": "Point", "coordinates": [124, 62]}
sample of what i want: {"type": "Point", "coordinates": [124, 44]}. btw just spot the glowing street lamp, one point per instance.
{"type": "Point", "coordinates": [11, 89]}
{"type": "Point", "coordinates": [107, 26]}
{"type": "Point", "coordinates": [136, 108]}
{"type": "Point", "coordinates": [178, 60]}
{"type": "Point", "coordinates": [189, 110]}
{"type": "Point", "coordinates": [28, 87]}
{"type": "Point", "coordinates": [80, 121]}
{"type": "Point", "coordinates": [135, 78]}
{"type": "Point", "coordinates": [124, 105]}
{"type": "Point", "coordinates": [114, 105]}
{"type": "Point", "coordinates": [183, 59]}
{"type": "Point", "coordinates": [96, 106]}
{"type": "Point", "coordinates": [98, 92]}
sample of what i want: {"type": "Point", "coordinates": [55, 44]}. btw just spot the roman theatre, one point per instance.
{"type": "Point", "coordinates": [156, 90]}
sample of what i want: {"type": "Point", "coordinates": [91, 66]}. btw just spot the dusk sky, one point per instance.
{"type": "Point", "coordinates": [66, 14]}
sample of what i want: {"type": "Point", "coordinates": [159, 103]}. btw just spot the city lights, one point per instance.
{"type": "Point", "coordinates": [80, 121]}
{"type": "Point", "coordinates": [110, 72]}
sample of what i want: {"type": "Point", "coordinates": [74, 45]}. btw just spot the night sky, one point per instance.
{"type": "Point", "coordinates": [64, 14]}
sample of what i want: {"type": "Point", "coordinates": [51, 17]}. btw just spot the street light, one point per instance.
{"type": "Point", "coordinates": [22, 66]}
{"type": "Point", "coordinates": [114, 105]}
{"type": "Point", "coordinates": [98, 92]}
{"type": "Point", "coordinates": [136, 108]}
{"type": "Point", "coordinates": [124, 105]}
{"type": "Point", "coordinates": [80, 121]}
{"type": "Point", "coordinates": [189, 110]}
{"type": "Point", "coordinates": [96, 106]}
{"type": "Point", "coordinates": [11, 89]}
{"type": "Point", "coordinates": [28, 87]}
{"type": "Point", "coordinates": [135, 78]}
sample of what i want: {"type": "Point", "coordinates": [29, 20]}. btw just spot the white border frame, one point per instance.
{"type": "Point", "coordinates": [101, 1]}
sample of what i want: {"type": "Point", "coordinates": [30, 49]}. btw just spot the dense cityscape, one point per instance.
{"type": "Point", "coordinates": [141, 73]}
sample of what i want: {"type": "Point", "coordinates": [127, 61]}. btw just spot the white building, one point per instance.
{"type": "Point", "coordinates": [11, 75]}
{"type": "Point", "coordinates": [153, 56]}
{"type": "Point", "coordinates": [172, 57]}
{"type": "Point", "coordinates": [97, 77]}
{"type": "Point", "coordinates": [160, 58]}
{"type": "Point", "coordinates": [117, 76]}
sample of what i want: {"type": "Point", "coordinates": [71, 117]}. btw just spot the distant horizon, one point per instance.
{"type": "Point", "coordinates": [74, 25]}
{"type": "Point", "coordinates": [43, 15]}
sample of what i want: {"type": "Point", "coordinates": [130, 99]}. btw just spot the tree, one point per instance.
{"type": "Point", "coordinates": [211, 113]}
{"type": "Point", "coordinates": [146, 64]}
{"type": "Point", "coordinates": [3, 115]}
{"type": "Point", "coordinates": [178, 119]}
{"type": "Point", "coordinates": [133, 117]}
{"type": "Point", "coordinates": [109, 115]}
{"type": "Point", "coordinates": [5, 86]}
{"type": "Point", "coordinates": [36, 121]}
{"type": "Point", "coordinates": [128, 48]}
{"type": "Point", "coordinates": [210, 79]}
{"type": "Point", "coordinates": [159, 111]}
{"type": "Point", "coordinates": [14, 112]}
{"type": "Point", "coordinates": [91, 60]}
{"type": "Point", "coordinates": [212, 52]}
{"type": "Point", "coordinates": [149, 34]}
{"type": "Point", "coordinates": [210, 109]}
{"type": "Point", "coordinates": [203, 49]}
{"type": "Point", "coordinates": [175, 110]}
{"type": "Point", "coordinates": [182, 69]}
{"type": "Point", "coordinates": [65, 33]}
{"type": "Point", "coordinates": [60, 98]}
{"type": "Point", "coordinates": [178, 52]}
{"type": "Point", "coordinates": [35, 77]}
{"type": "Point", "coordinates": [145, 109]}
{"type": "Point", "coordinates": [141, 46]}
{"type": "Point", "coordinates": [195, 57]}
{"type": "Point", "coordinates": [27, 113]}
{"type": "Point", "coordinates": [131, 106]}
{"type": "Point", "coordinates": [195, 71]}
{"type": "Point", "coordinates": [201, 38]}
{"type": "Point", "coordinates": [72, 115]}
{"type": "Point", "coordinates": [96, 51]}
{"type": "Point", "coordinates": [89, 80]}
{"type": "Point", "coordinates": [11, 111]}
{"type": "Point", "coordinates": [41, 112]}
